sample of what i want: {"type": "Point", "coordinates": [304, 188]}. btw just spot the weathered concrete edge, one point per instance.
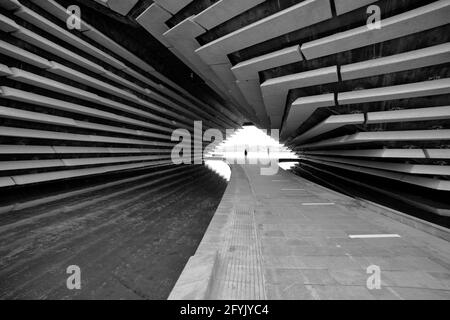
{"type": "Point", "coordinates": [197, 278]}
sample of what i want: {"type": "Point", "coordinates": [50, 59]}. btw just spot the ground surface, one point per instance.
{"type": "Point", "coordinates": [129, 243]}
{"type": "Point", "coordinates": [283, 237]}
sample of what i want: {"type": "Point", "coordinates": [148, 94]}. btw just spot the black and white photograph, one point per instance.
{"type": "Point", "coordinates": [217, 156]}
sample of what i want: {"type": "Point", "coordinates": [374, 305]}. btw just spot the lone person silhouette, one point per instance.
{"type": "Point", "coordinates": [246, 153]}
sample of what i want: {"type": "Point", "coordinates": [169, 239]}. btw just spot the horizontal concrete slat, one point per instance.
{"type": "Point", "coordinates": [407, 115]}
{"type": "Point", "coordinates": [251, 91]}
{"type": "Point", "coordinates": [31, 149]}
{"type": "Point", "coordinates": [10, 4]}
{"type": "Point", "coordinates": [299, 16]}
{"type": "Point", "coordinates": [53, 48]}
{"type": "Point", "coordinates": [46, 83]}
{"type": "Point", "coordinates": [182, 39]}
{"type": "Point", "coordinates": [29, 164]}
{"type": "Point", "coordinates": [391, 166]}
{"type": "Point", "coordinates": [275, 91]}
{"type": "Point", "coordinates": [71, 73]}
{"type": "Point", "coordinates": [423, 114]}
{"type": "Point", "coordinates": [60, 175]}
{"type": "Point", "coordinates": [7, 24]}
{"type": "Point", "coordinates": [6, 182]}
{"type": "Point", "coordinates": [405, 61]}
{"type": "Point", "coordinates": [329, 124]}
{"type": "Point", "coordinates": [20, 95]}
{"type": "Point", "coordinates": [153, 20]}
{"type": "Point", "coordinates": [107, 160]}
{"type": "Point", "coordinates": [249, 69]}
{"type": "Point", "coordinates": [106, 42]}
{"type": "Point", "coordinates": [173, 6]}
{"type": "Point", "coordinates": [434, 184]}
{"type": "Point", "coordinates": [44, 24]}
{"type": "Point", "coordinates": [344, 6]}
{"type": "Point", "coordinates": [52, 85]}
{"type": "Point", "coordinates": [17, 114]}
{"type": "Point", "coordinates": [5, 71]}
{"type": "Point", "coordinates": [53, 135]}
{"type": "Point", "coordinates": [411, 90]}
{"type": "Point", "coordinates": [222, 11]}
{"type": "Point", "coordinates": [122, 6]}
{"type": "Point", "coordinates": [183, 44]}
{"type": "Point", "coordinates": [168, 173]}
{"type": "Point", "coordinates": [77, 76]}
{"type": "Point", "coordinates": [373, 153]}
{"type": "Point", "coordinates": [223, 71]}
{"type": "Point", "coordinates": [381, 136]}
{"type": "Point", "coordinates": [302, 109]}
{"type": "Point", "coordinates": [58, 11]}
{"type": "Point", "coordinates": [25, 149]}
{"type": "Point", "coordinates": [86, 150]}
{"type": "Point", "coordinates": [438, 153]}
{"type": "Point", "coordinates": [12, 113]}
{"type": "Point", "coordinates": [23, 55]}
{"type": "Point", "coordinates": [427, 17]}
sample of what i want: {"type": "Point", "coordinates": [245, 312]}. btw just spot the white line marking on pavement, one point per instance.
{"type": "Point", "coordinates": [373, 236]}
{"type": "Point", "coordinates": [318, 204]}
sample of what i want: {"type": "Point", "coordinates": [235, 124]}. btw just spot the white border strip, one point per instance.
{"type": "Point", "coordinates": [319, 204]}
{"type": "Point", "coordinates": [374, 236]}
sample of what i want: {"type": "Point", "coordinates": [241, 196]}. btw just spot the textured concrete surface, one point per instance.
{"type": "Point", "coordinates": [131, 241]}
{"type": "Point", "coordinates": [282, 237]}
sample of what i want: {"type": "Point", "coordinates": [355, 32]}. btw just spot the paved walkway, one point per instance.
{"type": "Point", "coordinates": [283, 237]}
